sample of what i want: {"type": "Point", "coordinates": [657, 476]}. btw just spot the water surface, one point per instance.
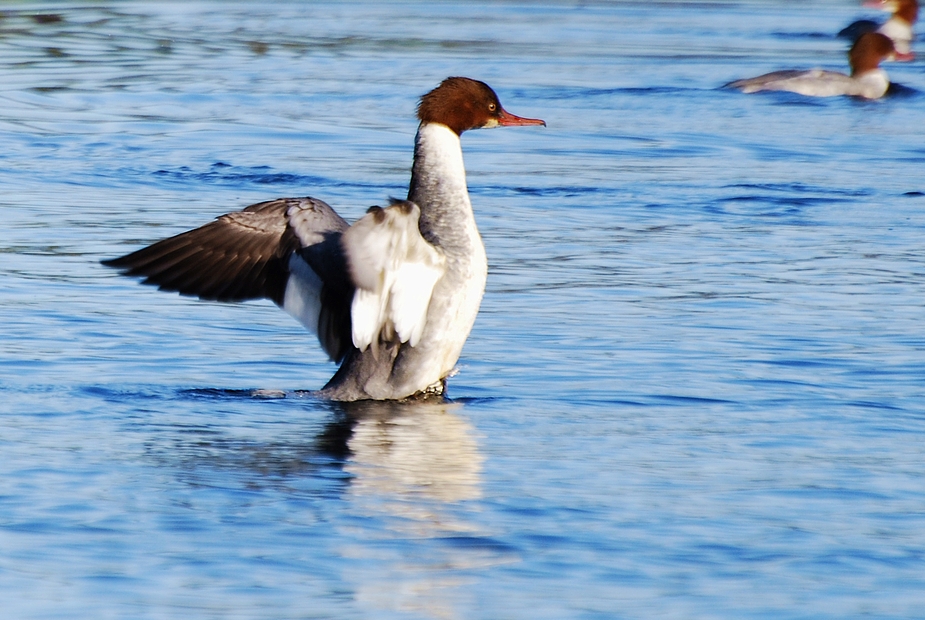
{"type": "Point", "coordinates": [696, 388]}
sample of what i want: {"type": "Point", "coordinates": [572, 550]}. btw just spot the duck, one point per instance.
{"type": "Point", "coordinates": [392, 297]}
{"type": "Point", "coordinates": [899, 27]}
{"type": "Point", "coordinates": [867, 79]}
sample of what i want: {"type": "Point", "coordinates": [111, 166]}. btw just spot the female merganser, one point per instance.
{"type": "Point", "coordinates": [392, 297]}
{"type": "Point", "coordinates": [867, 79]}
{"type": "Point", "coordinates": [898, 27]}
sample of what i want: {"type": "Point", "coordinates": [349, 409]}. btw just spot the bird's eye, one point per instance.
{"type": "Point", "coordinates": [492, 107]}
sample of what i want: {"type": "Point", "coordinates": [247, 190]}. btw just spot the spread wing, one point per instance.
{"type": "Point", "coordinates": [286, 250]}
{"type": "Point", "coordinates": [394, 270]}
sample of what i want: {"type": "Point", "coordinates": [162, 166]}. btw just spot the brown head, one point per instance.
{"type": "Point", "coordinates": [907, 10]}
{"type": "Point", "coordinates": [461, 104]}
{"type": "Point", "coordinates": [869, 51]}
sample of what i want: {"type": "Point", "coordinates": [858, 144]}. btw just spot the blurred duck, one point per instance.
{"type": "Point", "coordinates": [867, 79]}
{"type": "Point", "coordinates": [899, 27]}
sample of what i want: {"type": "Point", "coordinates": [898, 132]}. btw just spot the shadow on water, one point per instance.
{"type": "Point", "coordinates": [424, 450]}
{"type": "Point", "coordinates": [901, 91]}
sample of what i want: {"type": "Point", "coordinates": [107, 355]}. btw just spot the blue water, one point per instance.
{"type": "Point", "coordinates": [696, 388]}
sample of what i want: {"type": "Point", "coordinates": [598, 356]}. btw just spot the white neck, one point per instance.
{"type": "Point", "coordinates": [438, 186]}
{"type": "Point", "coordinates": [900, 31]}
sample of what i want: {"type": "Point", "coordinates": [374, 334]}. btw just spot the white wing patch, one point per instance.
{"type": "Point", "coordinates": [302, 299]}
{"type": "Point", "coordinates": [394, 270]}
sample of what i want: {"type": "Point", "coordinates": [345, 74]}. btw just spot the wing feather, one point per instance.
{"type": "Point", "coordinates": [395, 270]}
{"type": "Point", "coordinates": [247, 255]}
{"type": "Point", "coordinates": [198, 262]}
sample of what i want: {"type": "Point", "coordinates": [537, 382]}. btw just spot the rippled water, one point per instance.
{"type": "Point", "coordinates": [696, 388]}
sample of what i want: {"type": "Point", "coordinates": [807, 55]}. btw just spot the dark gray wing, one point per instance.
{"type": "Point", "coordinates": [246, 255]}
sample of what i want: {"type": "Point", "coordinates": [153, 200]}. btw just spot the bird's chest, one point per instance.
{"type": "Point", "coordinates": [455, 304]}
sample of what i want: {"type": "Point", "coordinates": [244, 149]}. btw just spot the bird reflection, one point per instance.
{"type": "Point", "coordinates": [420, 449]}
{"type": "Point", "coordinates": [412, 449]}
{"type": "Point", "coordinates": [406, 535]}
{"type": "Point", "coordinates": [410, 465]}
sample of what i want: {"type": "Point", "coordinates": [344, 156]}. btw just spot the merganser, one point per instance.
{"type": "Point", "coordinates": [392, 297]}
{"type": "Point", "coordinates": [899, 27]}
{"type": "Point", "coordinates": [867, 79]}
